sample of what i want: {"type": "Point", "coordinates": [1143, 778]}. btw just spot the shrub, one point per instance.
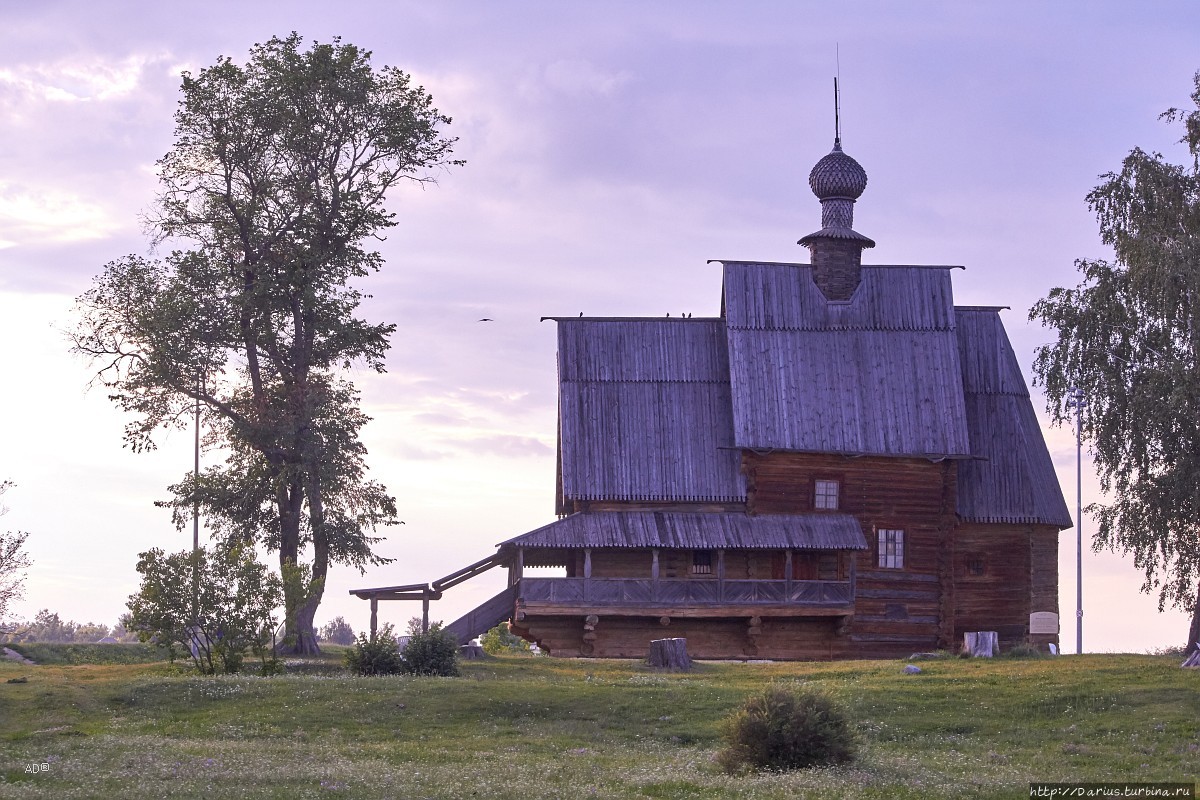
{"type": "Point", "coordinates": [501, 640]}
{"type": "Point", "coordinates": [432, 653]}
{"type": "Point", "coordinates": [375, 655]}
{"type": "Point", "coordinates": [785, 729]}
{"type": "Point", "coordinates": [215, 605]}
{"type": "Point", "coordinates": [1022, 651]}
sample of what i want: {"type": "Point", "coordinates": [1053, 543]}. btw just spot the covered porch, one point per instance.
{"type": "Point", "coordinates": [688, 564]}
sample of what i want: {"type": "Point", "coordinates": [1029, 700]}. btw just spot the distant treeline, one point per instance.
{"type": "Point", "coordinates": [49, 627]}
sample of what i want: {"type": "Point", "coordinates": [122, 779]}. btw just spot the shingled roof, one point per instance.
{"type": "Point", "coordinates": [1013, 480]}
{"type": "Point", "coordinates": [658, 409]}
{"type": "Point", "coordinates": [697, 530]}
{"type": "Point", "coordinates": [645, 411]}
{"type": "Point", "coordinates": [877, 374]}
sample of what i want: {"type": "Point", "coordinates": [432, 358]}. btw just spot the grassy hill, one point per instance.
{"type": "Point", "coordinates": [524, 727]}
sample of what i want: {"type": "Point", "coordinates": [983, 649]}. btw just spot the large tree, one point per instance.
{"type": "Point", "coordinates": [270, 197]}
{"type": "Point", "coordinates": [1129, 339]}
{"type": "Point", "coordinates": [13, 562]}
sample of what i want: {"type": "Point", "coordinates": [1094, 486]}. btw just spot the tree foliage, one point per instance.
{"type": "Point", "coordinates": [14, 560]}
{"type": "Point", "coordinates": [338, 631]}
{"type": "Point", "coordinates": [272, 193]}
{"type": "Point", "coordinates": [215, 605]}
{"type": "Point", "coordinates": [1129, 337]}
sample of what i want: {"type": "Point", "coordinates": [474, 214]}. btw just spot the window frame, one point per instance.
{"type": "Point", "coordinates": [703, 563]}
{"type": "Point", "coordinates": [889, 548]}
{"type": "Point", "coordinates": [818, 495]}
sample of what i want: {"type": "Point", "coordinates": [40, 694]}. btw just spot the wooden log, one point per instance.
{"type": "Point", "coordinates": [981, 644]}
{"type": "Point", "coordinates": [664, 621]}
{"type": "Point", "coordinates": [471, 652]}
{"type": "Point", "coordinates": [670, 654]}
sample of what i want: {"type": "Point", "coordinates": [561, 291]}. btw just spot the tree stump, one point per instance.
{"type": "Point", "coordinates": [472, 651]}
{"type": "Point", "coordinates": [981, 644]}
{"type": "Point", "coordinates": [670, 654]}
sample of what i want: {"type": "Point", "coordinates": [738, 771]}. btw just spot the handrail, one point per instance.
{"type": "Point", "coordinates": [468, 572]}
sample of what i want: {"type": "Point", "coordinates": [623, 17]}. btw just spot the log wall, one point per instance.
{"type": "Point", "coordinates": [957, 577]}
{"type": "Point", "coordinates": [897, 611]}
{"type": "Point", "coordinates": [629, 637]}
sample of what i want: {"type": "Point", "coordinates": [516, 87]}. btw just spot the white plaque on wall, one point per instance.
{"type": "Point", "coordinates": [1043, 622]}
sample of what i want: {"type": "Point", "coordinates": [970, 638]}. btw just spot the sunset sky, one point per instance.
{"type": "Point", "coordinates": [612, 149]}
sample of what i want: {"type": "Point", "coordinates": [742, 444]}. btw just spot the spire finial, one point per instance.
{"type": "Point", "coordinates": [837, 108]}
{"type": "Point", "coordinates": [837, 122]}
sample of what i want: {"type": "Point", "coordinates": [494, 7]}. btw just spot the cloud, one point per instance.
{"type": "Point", "coordinates": [573, 76]}
{"type": "Point", "coordinates": [50, 214]}
{"type": "Point", "coordinates": [77, 80]}
{"type": "Point", "coordinates": [507, 446]}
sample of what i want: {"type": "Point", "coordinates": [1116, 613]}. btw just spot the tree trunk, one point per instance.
{"type": "Point", "coordinates": [1194, 631]}
{"type": "Point", "coordinates": [306, 634]}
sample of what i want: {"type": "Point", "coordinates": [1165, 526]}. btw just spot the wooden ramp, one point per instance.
{"type": "Point", "coordinates": [483, 618]}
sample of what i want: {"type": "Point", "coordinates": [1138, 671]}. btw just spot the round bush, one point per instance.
{"type": "Point", "coordinates": [376, 655]}
{"type": "Point", "coordinates": [432, 653]}
{"type": "Point", "coordinates": [785, 729]}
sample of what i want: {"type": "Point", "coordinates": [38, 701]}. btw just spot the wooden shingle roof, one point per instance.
{"type": "Point", "coordinates": [877, 374]}
{"type": "Point", "coordinates": [697, 530]}
{"type": "Point", "coordinates": [645, 411]}
{"type": "Point", "coordinates": [1013, 479]}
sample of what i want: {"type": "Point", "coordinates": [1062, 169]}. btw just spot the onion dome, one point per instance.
{"type": "Point", "coordinates": [837, 175]}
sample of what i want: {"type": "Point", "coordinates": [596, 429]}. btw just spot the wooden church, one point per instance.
{"type": "Point", "coordinates": [843, 464]}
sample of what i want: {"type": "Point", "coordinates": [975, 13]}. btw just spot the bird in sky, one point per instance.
{"type": "Point", "coordinates": [487, 319]}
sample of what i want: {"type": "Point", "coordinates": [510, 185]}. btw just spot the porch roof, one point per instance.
{"type": "Point", "coordinates": [696, 531]}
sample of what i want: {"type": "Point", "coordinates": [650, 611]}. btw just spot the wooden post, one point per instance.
{"type": "Point", "coordinates": [424, 612]}
{"type": "Point", "coordinates": [654, 564]}
{"type": "Point", "coordinates": [720, 575]}
{"type": "Point", "coordinates": [374, 615]}
{"type": "Point", "coordinates": [587, 562]}
{"type": "Point", "coordinates": [788, 569]}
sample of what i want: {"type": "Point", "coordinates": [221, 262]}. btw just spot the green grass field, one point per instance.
{"type": "Point", "coordinates": [525, 727]}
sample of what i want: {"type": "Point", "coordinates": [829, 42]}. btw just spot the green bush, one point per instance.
{"type": "Point", "coordinates": [1022, 651]}
{"type": "Point", "coordinates": [432, 653]}
{"type": "Point", "coordinates": [375, 655]}
{"type": "Point", "coordinates": [783, 729]}
{"type": "Point", "coordinates": [501, 640]}
{"type": "Point", "coordinates": [212, 604]}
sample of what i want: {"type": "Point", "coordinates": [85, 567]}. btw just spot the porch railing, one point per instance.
{"type": "Point", "coordinates": [676, 592]}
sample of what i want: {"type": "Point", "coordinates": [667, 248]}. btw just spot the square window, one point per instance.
{"type": "Point", "coordinates": [702, 562]}
{"type": "Point", "coordinates": [826, 494]}
{"type": "Point", "coordinates": [891, 548]}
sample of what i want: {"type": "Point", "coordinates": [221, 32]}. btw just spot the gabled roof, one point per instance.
{"type": "Point", "coordinates": [1014, 479]}
{"type": "Point", "coordinates": [697, 530]}
{"type": "Point", "coordinates": [877, 374]}
{"type": "Point", "coordinates": [645, 411]}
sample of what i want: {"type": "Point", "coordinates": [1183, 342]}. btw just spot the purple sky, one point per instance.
{"type": "Point", "coordinates": [612, 148]}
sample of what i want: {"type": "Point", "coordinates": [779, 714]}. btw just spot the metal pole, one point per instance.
{"type": "Point", "coordinates": [196, 473]}
{"type": "Point", "coordinates": [1077, 402]}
